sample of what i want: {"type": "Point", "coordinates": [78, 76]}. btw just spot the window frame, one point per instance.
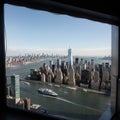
{"type": "Point", "coordinates": [72, 11]}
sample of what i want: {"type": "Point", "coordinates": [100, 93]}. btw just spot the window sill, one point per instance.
{"type": "Point", "coordinates": [16, 114]}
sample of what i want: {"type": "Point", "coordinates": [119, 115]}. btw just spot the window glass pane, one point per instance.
{"type": "Point", "coordinates": [57, 64]}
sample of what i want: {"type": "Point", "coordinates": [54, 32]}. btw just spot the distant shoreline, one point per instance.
{"type": "Point", "coordinates": [15, 64]}
{"type": "Point", "coordinates": [25, 63]}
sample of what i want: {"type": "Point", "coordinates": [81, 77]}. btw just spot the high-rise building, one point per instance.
{"type": "Point", "coordinates": [81, 64]}
{"type": "Point", "coordinates": [15, 87]}
{"type": "Point", "coordinates": [70, 58]}
{"type": "Point", "coordinates": [63, 64]}
{"type": "Point", "coordinates": [107, 66]}
{"type": "Point", "coordinates": [27, 103]}
{"type": "Point", "coordinates": [85, 65]}
{"type": "Point", "coordinates": [76, 60]}
{"type": "Point", "coordinates": [50, 63]}
{"type": "Point", "coordinates": [58, 63]}
{"type": "Point", "coordinates": [71, 80]}
{"type": "Point", "coordinates": [43, 79]}
{"type": "Point", "coordinates": [77, 66]}
{"type": "Point", "coordinates": [59, 76]}
{"type": "Point", "coordinates": [8, 90]}
{"type": "Point", "coordinates": [92, 63]}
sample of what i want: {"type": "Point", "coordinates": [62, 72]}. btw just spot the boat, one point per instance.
{"type": "Point", "coordinates": [85, 90]}
{"type": "Point", "coordinates": [27, 83]}
{"type": "Point", "coordinates": [72, 88]}
{"type": "Point", "coordinates": [46, 91]}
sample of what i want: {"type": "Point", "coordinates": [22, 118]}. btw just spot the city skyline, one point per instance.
{"type": "Point", "coordinates": [32, 31]}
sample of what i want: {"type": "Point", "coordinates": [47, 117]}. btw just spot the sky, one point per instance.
{"type": "Point", "coordinates": [33, 31]}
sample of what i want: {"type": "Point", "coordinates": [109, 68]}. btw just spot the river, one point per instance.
{"type": "Point", "coordinates": [74, 104]}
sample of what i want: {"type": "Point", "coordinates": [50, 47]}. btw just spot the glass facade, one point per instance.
{"type": "Point", "coordinates": [15, 87]}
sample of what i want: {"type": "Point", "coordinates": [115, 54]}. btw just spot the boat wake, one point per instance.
{"type": "Point", "coordinates": [65, 100]}
{"type": "Point", "coordinates": [47, 96]}
{"type": "Point", "coordinates": [73, 103]}
{"type": "Point", "coordinates": [79, 105]}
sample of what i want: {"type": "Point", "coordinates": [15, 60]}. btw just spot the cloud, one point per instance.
{"type": "Point", "coordinates": [62, 51]}
{"type": "Point", "coordinates": [93, 52]}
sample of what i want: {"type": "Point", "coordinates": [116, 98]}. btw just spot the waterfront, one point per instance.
{"type": "Point", "coordinates": [69, 103]}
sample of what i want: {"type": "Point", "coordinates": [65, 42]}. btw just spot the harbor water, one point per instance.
{"type": "Point", "coordinates": [74, 104]}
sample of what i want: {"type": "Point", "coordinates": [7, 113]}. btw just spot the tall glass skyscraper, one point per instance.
{"type": "Point", "coordinates": [15, 87]}
{"type": "Point", "coordinates": [70, 58]}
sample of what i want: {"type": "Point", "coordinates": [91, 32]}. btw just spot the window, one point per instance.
{"type": "Point", "coordinates": [60, 53]}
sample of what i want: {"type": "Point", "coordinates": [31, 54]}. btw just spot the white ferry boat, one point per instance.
{"type": "Point", "coordinates": [27, 83]}
{"type": "Point", "coordinates": [46, 91]}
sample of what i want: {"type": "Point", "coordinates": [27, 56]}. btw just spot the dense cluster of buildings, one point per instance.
{"type": "Point", "coordinates": [78, 72]}
{"type": "Point", "coordinates": [27, 58]}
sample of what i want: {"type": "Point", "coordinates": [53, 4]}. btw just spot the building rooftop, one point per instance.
{"type": "Point", "coordinates": [35, 106]}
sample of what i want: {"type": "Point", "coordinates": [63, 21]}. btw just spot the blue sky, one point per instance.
{"type": "Point", "coordinates": [35, 31]}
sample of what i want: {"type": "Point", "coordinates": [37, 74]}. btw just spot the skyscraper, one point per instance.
{"type": "Point", "coordinates": [51, 63]}
{"type": "Point", "coordinates": [58, 63]}
{"type": "Point", "coordinates": [92, 63]}
{"type": "Point", "coordinates": [71, 80]}
{"type": "Point", "coordinates": [59, 76]}
{"type": "Point", "coordinates": [15, 87]}
{"type": "Point", "coordinates": [27, 102]}
{"type": "Point", "coordinates": [70, 58]}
